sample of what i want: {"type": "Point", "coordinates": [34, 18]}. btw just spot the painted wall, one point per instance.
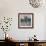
{"type": "Point", "coordinates": [11, 8]}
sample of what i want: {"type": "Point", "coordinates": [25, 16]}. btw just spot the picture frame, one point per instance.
{"type": "Point", "coordinates": [25, 20]}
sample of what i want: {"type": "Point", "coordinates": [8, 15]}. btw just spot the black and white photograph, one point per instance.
{"type": "Point", "coordinates": [25, 20]}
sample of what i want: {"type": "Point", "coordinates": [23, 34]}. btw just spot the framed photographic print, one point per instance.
{"type": "Point", "coordinates": [25, 20]}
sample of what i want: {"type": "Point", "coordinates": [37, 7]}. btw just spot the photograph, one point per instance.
{"type": "Point", "coordinates": [25, 20]}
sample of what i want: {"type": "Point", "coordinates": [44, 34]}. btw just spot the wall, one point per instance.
{"type": "Point", "coordinates": [11, 8]}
